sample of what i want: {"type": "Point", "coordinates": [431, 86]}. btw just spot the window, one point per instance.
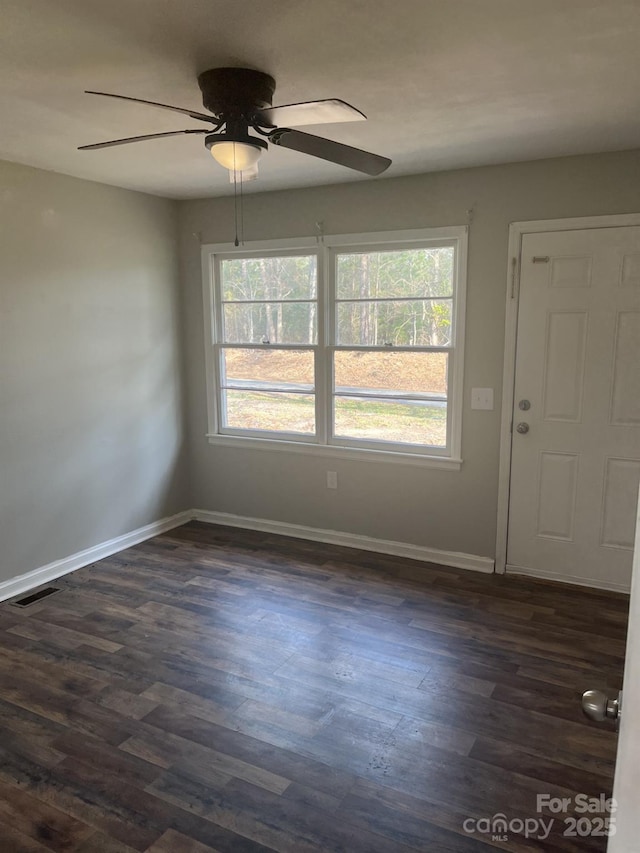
{"type": "Point", "coordinates": [352, 345]}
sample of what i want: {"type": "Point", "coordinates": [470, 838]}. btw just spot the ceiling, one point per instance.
{"type": "Point", "coordinates": [444, 83]}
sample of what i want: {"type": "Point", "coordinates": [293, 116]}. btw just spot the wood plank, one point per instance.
{"type": "Point", "coordinates": [174, 842]}
{"type": "Point", "coordinates": [198, 761]}
{"type": "Point", "coordinates": [39, 821]}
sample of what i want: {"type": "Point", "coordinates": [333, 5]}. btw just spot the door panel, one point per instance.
{"type": "Point", "coordinates": [630, 270]}
{"type": "Point", "coordinates": [576, 454]}
{"type": "Point", "coordinates": [564, 365]}
{"type": "Point", "coordinates": [558, 478]}
{"type": "Point", "coordinates": [571, 271]}
{"type": "Point", "coordinates": [621, 478]}
{"type": "Point", "coordinates": [625, 396]}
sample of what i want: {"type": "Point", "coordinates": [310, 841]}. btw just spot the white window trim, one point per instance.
{"type": "Point", "coordinates": [350, 449]}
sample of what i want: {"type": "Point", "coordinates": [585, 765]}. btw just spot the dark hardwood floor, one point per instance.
{"type": "Point", "coordinates": [220, 690]}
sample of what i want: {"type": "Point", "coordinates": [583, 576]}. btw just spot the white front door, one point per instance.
{"type": "Point", "coordinates": [575, 464]}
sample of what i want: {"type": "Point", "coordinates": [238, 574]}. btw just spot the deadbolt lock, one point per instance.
{"type": "Point", "coordinates": [525, 405]}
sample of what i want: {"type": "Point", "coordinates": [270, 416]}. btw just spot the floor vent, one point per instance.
{"type": "Point", "coordinates": [36, 596]}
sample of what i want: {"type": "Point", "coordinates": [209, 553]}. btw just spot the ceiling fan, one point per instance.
{"type": "Point", "coordinates": [239, 100]}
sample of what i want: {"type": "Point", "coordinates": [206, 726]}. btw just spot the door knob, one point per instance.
{"type": "Point", "coordinates": [597, 706]}
{"type": "Point", "coordinates": [522, 428]}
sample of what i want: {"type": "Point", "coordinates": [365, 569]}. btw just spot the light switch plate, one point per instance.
{"type": "Point", "coordinates": [482, 398]}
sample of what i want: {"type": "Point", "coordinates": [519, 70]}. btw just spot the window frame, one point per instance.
{"type": "Point", "coordinates": [324, 443]}
{"type": "Point", "coordinates": [219, 344]}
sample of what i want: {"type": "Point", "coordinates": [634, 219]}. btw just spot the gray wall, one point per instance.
{"type": "Point", "coordinates": [92, 414]}
{"type": "Point", "coordinates": [91, 411]}
{"type": "Point", "coordinates": [442, 509]}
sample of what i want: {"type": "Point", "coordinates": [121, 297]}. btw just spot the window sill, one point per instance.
{"type": "Point", "coordinates": [416, 460]}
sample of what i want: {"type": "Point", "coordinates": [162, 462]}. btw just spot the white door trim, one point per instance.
{"type": "Point", "coordinates": [516, 232]}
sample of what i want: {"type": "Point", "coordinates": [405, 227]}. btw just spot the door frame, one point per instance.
{"type": "Point", "coordinates": [517, 230]}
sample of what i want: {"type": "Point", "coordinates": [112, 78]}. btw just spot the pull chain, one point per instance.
{"type": "Point", "coordinates": [235, 196]}
{"type": "Point", "coordinates": [237, 213]}
{"type": "Point", "coordinates": [241, 210]}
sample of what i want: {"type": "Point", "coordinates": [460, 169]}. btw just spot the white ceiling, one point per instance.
{"type": "Point", "coordinates": [445, 83]}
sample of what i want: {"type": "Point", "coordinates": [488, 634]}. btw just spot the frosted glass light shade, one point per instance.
{"type": "Point", "coordinates": [236, 156]}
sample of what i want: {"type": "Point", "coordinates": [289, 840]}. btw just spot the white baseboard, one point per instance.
{"type": "Point", "coordinates": [37, 577]}
{"type": "Point", "coordinates": [350, 540]}
{"type": "Point", "coordinates": [608, 586]}
{"type": "Point", "coordinates": [30, 580]}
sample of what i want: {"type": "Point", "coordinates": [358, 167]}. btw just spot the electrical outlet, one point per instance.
{"type": "Point", "coordinates": [332, 479]}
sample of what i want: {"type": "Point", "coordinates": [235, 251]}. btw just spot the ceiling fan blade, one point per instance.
{"type": "Point", "coordinates": [327, 149]}
{"type": "Point", "coordinates": [311, 112]}
{"type": "Point", "coordinates": [137, 139]}
{"type": "Point", "coordinates": [192, 113]}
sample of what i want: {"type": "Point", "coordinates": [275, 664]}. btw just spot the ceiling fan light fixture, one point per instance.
{"type": "Point", "coordinates": [236, 156]}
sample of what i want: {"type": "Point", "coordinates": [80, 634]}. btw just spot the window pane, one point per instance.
{"type": "Point", "coordinates": [279, 323]}
{"type": "Point", "coordinates": [272, 411]}
{"type": "Point", "coordinates": [406, 422]}
{"type": "Point", "coordinates": [407, 273]}
{"type": "Point", "coordinates": [392, 373]}
{"type": "Point", "coordinates": [269, 278]}
{"type": "Point", "coordinates": [279, 369]}
{"type": "Point", "coordinates": [421, 323]}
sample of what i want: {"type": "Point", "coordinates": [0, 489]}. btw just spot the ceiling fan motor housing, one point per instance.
{"type": "Point", "coordinates": [236, 91]}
